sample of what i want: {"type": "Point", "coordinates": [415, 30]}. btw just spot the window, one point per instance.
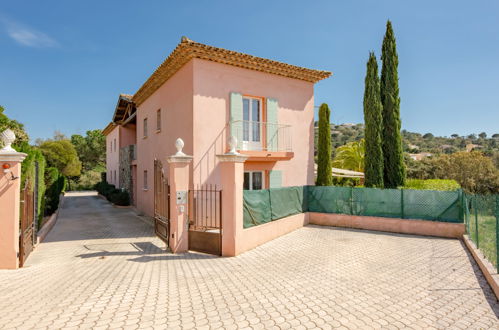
{"type": "Point", "coordinates": [145, 180]}
{"type": "Point", "coordinates": [115, 145]}
{"type": "Point", "coordinates": [145, 127]}
{"type": "Point", "coordinates": [253, 180]}
{"type": "Point", "coordinates": [114, 177]}
{"type": "Point", "coordinates": [252, 114]}
{"type": "Point", "coordinates": [158, 120]}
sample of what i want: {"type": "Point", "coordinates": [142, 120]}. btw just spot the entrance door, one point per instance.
{"type": "Point", "coordinates": [252, 126]}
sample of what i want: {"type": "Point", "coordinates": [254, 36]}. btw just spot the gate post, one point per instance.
{"type": "Point", "coordinates": [232, 174]}
{"type": "Point", "coordinates": [10, 184]}
{"type": "Point", "coordinates": [179, 196]}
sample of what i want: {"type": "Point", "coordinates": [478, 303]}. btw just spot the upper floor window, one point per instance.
{"type": "Point", "coordinates": [145, 181]}
{"type": "Point", "coordinates": [252, 116]}
{"type": "Point", "coordinates": [145, 127]}
{"type": "Point", "coordinates": [115, 145]}
{"type": "Point", "coordinates": [158, 120]}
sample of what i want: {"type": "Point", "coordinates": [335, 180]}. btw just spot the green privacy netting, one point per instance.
{"type": "Point", "coordinates": [262, 206]}
{"type": "Point", "coordinates": [376, 202]}
{"type": "Point", "coordinates": [329, 199]}
{"type": "Point", "coordinates": [286, 201]}
{"type": "Point", "coordinates": [256, 207]}
{"type": "Point", "coordinates": [433, 205]}
{"type": "Point", "coordinates": [392, 203]}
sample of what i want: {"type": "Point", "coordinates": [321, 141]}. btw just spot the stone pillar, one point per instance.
{"type": "Point", "coordinates": [232, 174]}
{"type": "Point", "coordinates": [10, 184]}
{"type": "Point", "coordinates": [179, 197]}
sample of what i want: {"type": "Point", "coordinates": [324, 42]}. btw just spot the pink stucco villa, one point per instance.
{"type": "Point", "coordinates": [205, 94]}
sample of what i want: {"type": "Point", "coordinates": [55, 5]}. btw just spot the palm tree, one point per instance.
{"type": "Point", "coordinates": [350, 156]}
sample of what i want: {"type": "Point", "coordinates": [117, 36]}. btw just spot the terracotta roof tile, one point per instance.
{"type": "Point", "coordinates": [188, 49]}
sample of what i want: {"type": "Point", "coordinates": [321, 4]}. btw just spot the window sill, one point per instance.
{"type": "Point", "coordinates": [158, 131]}
{"type": "Point", "coordinates": [145, 189]}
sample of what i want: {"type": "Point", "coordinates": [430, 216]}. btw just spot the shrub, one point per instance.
{"type": "Point", "coordinates": [87, 180]}
{"type": "Point", "coordinates": [28, 171]}
{"type": "Point", "coordinates": [434, 184]}
{"type": "Point", "coordinates": [56, 184]}
{"type": "Point", "coordinates": [115, 196]}
{"type": "Point", "coordinates": [120, 197]}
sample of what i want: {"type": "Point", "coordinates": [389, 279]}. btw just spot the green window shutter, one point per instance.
{"type": "Point", "coordinates": [272, 121]}
{"type": "Point", "coordinates": [275, 179]}
{"type": "Point", "coordinates": [236, 117]}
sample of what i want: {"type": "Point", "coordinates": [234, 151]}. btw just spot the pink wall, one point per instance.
{"type": "Point", "coordinates": [195, 107]}
{"type": "Point", "coordinates": [128, 135]}
{"type": "Point", "coordinates": [213, 83]}
{"type": "Point", "coordinates": [9, 215]}
{"type": "Point", "coordinates": [174, 99]}
{"type": "Point", "coordinates": [112, 156]}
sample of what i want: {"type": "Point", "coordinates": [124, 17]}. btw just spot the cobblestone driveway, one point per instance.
{"type": "Point", "coordinates": [101, 267]}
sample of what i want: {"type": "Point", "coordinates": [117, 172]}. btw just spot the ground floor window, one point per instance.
{"type": "Point", "coordinates": [253, 180]}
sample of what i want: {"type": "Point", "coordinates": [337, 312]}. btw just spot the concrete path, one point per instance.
{"type": "Point", "coordinates": [101, 267]}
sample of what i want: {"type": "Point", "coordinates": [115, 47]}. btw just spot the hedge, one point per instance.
{"type": "Point", "coordinates": [115, 196]}
{"type": "Point", "coordinates": [28, 171]}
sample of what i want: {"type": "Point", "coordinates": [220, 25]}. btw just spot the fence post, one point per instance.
{"type": "Point", "coordinates": [179, 188]}
{"type": "Point", "coordinates": [402, 203]}
{"type": "Point", "coordinates": [351, 200]}
{"type": "Point", "coordinates": [476, 221]}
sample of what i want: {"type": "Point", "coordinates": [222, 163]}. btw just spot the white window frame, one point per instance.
{"type": "Point", "coordinates": [250, 144]}
{"type": "Point", "coordinates": [251, 179]}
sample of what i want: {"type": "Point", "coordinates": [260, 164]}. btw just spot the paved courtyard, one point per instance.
{"type": "Point", "coordinates": [102, 267]}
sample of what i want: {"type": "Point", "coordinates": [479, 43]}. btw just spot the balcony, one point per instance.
{"type": "Point", "coordinates": [263, 141]}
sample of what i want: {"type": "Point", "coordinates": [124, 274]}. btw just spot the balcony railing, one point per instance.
{"type": "Point", "coordinates": [261, 136]}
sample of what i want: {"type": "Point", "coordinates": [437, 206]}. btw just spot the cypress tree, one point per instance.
{"type": "Point", "coordinates": [393, 162]}
{"type": "Point", "coordinates": [324, 168]}
{"type": "Point", "coordinates": [373, 161]}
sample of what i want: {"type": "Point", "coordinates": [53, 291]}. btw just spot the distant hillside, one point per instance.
{"type": "Point", "coordinates": [418, 143]}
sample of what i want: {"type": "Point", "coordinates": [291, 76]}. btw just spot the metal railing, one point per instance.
{"type": "Point", "coordinates": [261, 136]}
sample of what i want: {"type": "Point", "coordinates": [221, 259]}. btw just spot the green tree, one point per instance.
{"type": "Point", "coordinates": [91, 149]}
{"type": "Point", "coordinates": [324, 174]}
{"type": "Point", "coordinates": [351, 156]}
{"type": "Point", "coordinates": [373, 119]}
{"type": "Point", "coordinates": [62, 155]}
{"type": "Point", "coordinates": [394, 169]}
{"type": "Point", "coordinates": [474, 171]}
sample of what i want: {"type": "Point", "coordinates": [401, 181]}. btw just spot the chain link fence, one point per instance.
{"type": "Point", "coordinates": [482, 224]}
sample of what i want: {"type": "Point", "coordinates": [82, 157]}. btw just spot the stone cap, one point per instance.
{"type": "Point", "coordinates": [236, 158]}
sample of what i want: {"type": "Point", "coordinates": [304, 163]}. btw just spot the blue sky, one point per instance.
{"type": "Point", "coordinates": [63, 63]}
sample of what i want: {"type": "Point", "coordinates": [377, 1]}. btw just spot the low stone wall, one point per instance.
{"type": "Point", "coordinates": [393, 225]}
{"type": "Point", "coordinates": [252, 237]}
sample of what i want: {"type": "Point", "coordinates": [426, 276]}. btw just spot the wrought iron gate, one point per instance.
{"type": "Point", "coordinates": [27, 235]}
{"type": "Point", "coordinates": [161, 203]}
{"type": "Point", "coordinates": [205, 219]}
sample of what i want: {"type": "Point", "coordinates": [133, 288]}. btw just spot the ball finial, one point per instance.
{"type": "Point", "coordinates": [179, 144]}
{"type": "Point", "coordinates": [7, 137]}
{"type": "Point", "coordinates": [232, 144]}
